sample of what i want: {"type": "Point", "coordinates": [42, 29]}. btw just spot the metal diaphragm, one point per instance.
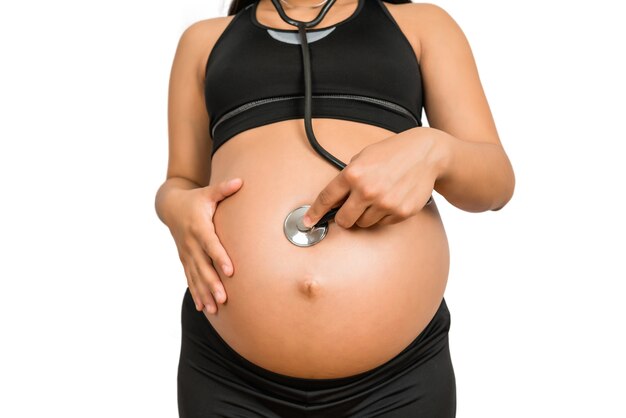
{"type": "Point", "coordinates": [300, 235]}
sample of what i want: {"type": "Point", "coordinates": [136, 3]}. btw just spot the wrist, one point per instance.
{"type": "Point", "coordinates": [440, 151]}
{"type": "Point", "coordinates": [169, 197]}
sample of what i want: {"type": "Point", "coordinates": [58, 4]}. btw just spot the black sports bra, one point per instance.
{"type": "Point", "coordinates": [363, 69]}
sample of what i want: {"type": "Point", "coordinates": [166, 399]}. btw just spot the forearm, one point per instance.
{"type": "Point", "coordinates": [475, 176]}
{"type": "Point", "coordinates": [165, 200]}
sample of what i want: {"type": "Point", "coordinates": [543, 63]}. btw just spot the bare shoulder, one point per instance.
{"type": "Point", "coordinates": [428, 9]}
{"type": "Point", "coordinates": [419, 22]}
{"type": "Point", "coordinates": [433, 18]}
{"type": "Point", "coordinates": [422, 22]}
{"type": "Point", "coordinates": [421, 12]}
{"type": "Point", "coordinates": [205, 29]}
{"type": "Point", "coordinates": [422, 19]}
{"type": "Point", "coordinates": [198, 38]}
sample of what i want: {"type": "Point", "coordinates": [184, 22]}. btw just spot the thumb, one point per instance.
{"type": "Point", "coordinates": [225, 188]}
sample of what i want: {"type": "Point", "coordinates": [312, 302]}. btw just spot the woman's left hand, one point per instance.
{"type": "Point", "coordinates": [385, 183]}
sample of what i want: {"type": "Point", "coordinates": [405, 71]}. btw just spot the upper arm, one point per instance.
{"type": "Point", "coordinates": [188, 120]}
{"type": "Point", "coordinates": [454, 100]}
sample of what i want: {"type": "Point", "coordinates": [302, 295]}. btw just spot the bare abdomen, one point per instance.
{"type": "Point", "coordinates": [342, 306]}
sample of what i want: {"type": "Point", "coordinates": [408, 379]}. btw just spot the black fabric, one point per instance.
{"type": "Point", "coordinates": [367, 54]}
{"type": "Point", "coordinates": [215, 381]}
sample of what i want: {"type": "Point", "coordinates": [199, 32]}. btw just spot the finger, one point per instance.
{"type": "Point", "coordinates": [192, 289]}
{"type": "Point", "coordinates": [372, 215]}
{"type": "Point", "coordinates": [203, 289]}
{"type": "Point", "coordinates": [392, 219]}
{"type": "Point", "coordinates": [209, 276]}
{"type": "Point", "coordinates": [212, 246]}
{"type": "Point", "coordinates": [387, 220]}
{"type": "Point", "coordinates": [224, 189]}
{"type": "Point", "coordinates": [350, 211]}
{"type": "Point", "coordinates": [334, 192]}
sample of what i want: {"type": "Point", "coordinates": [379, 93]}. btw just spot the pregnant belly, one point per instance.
{"type": "Point", "coordinates": [343, 306]}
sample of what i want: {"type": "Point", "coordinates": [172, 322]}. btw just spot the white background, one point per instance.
{"type": "Point", "coordinates": [91, 285]}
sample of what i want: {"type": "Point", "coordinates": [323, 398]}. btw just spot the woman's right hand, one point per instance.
{"type": "Point", "coordinates": [199, 248]}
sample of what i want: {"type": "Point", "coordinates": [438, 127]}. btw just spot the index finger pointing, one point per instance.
{"type": "Point", "coordinates": [334, 192]}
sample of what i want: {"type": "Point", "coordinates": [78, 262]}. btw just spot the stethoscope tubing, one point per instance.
{"type": "Point", "coordinates": [306, 63]}
{"type": "Point", "coordinates": [300, 23]}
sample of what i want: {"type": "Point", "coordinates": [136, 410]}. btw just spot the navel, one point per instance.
{"type": "Point", "coordinates": [310, 286]}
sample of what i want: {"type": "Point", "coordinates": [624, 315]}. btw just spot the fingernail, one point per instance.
{"type": "Point", "coordinates": [219, 296]}
{"type": "Point", "coordinates": [306, 220]}
{"type": "Point", "coordinates": [226, 269]}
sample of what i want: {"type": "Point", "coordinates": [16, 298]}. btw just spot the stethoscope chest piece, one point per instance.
{"type": "Point", "coordinates": [300, 235]}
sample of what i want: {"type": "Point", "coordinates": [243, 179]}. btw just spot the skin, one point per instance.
{"type": "Point", "coordinates": [353, 310]}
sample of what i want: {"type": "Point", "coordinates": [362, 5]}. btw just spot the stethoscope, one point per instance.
{"type": "Point", "coordinates": [294, 230]}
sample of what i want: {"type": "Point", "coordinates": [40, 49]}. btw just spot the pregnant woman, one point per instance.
{"type": "Point", "coordinates": [355, 325]}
